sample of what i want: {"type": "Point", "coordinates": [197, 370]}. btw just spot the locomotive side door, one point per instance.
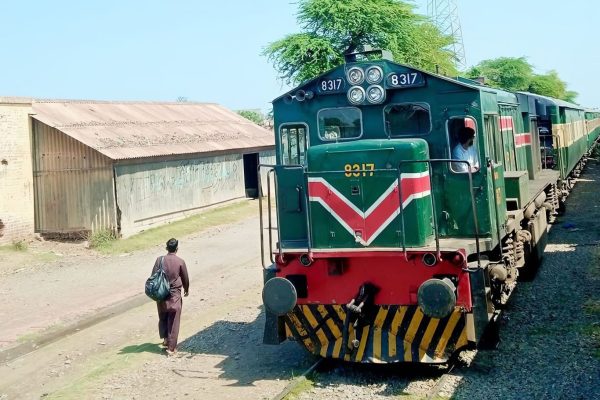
{"type": "Point", "coordinates": [290, 186]}
{"type": "Point", "coordinates": [507, 132]}
{"type": "Point", "coordinates": [457, 214]}
{"type": "Point", "coordinates": [495, 155]}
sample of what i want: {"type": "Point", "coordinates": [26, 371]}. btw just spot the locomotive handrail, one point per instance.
{"type": "Point", "coordinates": [307, 207]}
{"type": "Point", "coordinates": [271, 169]}
{"type": "Point", "coordinates": [435, 222]}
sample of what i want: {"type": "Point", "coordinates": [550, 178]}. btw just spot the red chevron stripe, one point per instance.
{"type": "Point", "coordinates": [336, 202]}
{"type": "Point", "coordinates": [414, 186]}
{"type": "Point", "coordinates": [379, 215]}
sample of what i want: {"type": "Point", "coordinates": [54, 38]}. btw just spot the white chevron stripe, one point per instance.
{"type": "Point", "coordinates": [373, 207]}
{"type": "Point", "coordinates": [408, 175]}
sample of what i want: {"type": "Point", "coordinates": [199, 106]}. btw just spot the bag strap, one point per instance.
{"type": "Point", "coordinates": [160, 266]}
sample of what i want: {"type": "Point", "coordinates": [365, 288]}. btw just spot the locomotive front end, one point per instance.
{"type": "Point", "coordinates": [368, 290]}
{"type": "Point", "coordinates": [359, 270]}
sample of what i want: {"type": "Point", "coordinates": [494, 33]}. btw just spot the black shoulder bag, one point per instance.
{"type": "Point", "coordinates": [157, 286]}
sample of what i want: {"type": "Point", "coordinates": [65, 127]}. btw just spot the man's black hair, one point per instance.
{"type": "Point", "coordinates": [465, 134]}
{"type": "Point", "coordinates": [172, 245]}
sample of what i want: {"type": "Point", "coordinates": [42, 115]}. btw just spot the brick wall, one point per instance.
{"type": "Point", "coordinates": [16, 177]}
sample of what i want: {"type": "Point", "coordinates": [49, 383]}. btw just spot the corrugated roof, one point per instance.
{"type": "Point", "coordinates": [122, 130]}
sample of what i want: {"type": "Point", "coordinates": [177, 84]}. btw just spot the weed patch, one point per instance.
{"type": "Point", "coordinates": [300, 387]}
{"type": "Point", "coordinates": [592, 307]}
{"type": "Point", "coordinates": [101, 239]}
{"type": "Point", "coordinates": [20, 245]}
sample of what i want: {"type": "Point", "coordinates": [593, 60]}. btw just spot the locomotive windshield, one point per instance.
{"type": "Point", "coordinates": [340, 123]}
{"type": "Point", "coordinates": [407, 119]}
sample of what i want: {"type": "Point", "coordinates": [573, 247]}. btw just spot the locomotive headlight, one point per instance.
{"type": "Point", "coordinates": [375, 94]}
{"type": "Point", "coordinates": [374, 74]}
{"type": "Point", "coordinates": [355, 76]}
{"type": "Point", "coordinates": [356, 95]}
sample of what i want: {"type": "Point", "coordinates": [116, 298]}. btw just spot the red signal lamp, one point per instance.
{"type": "Point", "coordinates": [457, 259]}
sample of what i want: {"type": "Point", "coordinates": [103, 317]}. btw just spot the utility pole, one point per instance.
{"type": "Point", "coordinates": [444, 14]}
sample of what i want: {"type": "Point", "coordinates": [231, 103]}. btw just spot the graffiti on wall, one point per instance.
{"type": "Point", "coordinates": [148, 190]}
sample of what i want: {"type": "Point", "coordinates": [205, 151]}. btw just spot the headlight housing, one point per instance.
{"type": "Point", "coordinates": [355, 76]}
{"type": "Point", "coordinates": [375, 94]}
{"type": "Point", "coordinates": [374, 74]}
{"type": "Point", "coordinates": [356, 95]}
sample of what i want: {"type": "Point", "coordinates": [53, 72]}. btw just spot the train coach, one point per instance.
{"type": "Point", "coordinates": [387, 246]}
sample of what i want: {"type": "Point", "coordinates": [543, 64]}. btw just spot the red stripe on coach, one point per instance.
{"type": "Point", "coordinates": [523, 139]}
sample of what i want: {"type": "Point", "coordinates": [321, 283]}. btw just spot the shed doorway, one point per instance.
{"type": "Point", "coordinates": [251, 175]}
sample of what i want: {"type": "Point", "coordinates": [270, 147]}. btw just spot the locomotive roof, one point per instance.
{"type": "Point", "coordinates": [550, 101]}
{"type": "Point", "coordinates": [464, 82]}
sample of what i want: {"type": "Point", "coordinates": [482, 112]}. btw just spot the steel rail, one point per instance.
{"type": "Point", "coordinates": [296, 382]}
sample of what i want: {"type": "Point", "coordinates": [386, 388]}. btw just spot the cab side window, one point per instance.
{"type": "Point", "coordinates": [407, 119]}
{"type": "Point", "coordinates": [293, 143]}
{"type": "Point", "coordinates": [339, 123]}
{"type": "Point", "coordinates": [462, 137]}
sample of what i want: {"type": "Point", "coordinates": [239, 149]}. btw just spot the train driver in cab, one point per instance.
{"type": "Point", "coordinates": [465, 151]}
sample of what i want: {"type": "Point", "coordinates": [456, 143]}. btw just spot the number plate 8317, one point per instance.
{"type": "Point", "coordinates": [334, 85]}
{"type": "Point", "coordinates": [356, 170]}
{"type": "Point", "coordinates": [405, 79]}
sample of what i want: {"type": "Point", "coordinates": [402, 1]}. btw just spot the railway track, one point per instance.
{"type": "Point", "coordinates": [332, 379]}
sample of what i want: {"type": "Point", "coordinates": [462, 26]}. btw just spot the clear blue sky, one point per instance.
{"type": "Point", "coordinates": [210, 51]}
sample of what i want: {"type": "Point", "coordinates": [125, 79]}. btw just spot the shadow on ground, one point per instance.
{"type": "Point", "coordinates": [238, 355]}
{"type": "Point", "coordinates": [143, 348]}
{"type": "Point", "coordinates": [234, 351]}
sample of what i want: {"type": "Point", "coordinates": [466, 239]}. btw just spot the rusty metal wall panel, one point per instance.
{"type": "Point", "coordinates": [156, 192]}
{"type": "Point", "coordinates": [73, 184]}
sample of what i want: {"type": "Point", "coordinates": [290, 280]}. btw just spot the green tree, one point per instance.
{"type": "Point", "coordinates": [332, 28]}
{"type": "Point", "coordinates": [514, 74]}
{"type": "Point", "coordinates": [508, 73]}
{"type": "Point", "coordinates": [551, 85]}
{"type": "Point", "coordinates": [253, 116]}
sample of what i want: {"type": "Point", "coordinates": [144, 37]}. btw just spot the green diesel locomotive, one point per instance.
{"type": "Point", "coordinates": [408, 203]}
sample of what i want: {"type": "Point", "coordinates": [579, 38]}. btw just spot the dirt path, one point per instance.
{"type": "Point", "coordinates": [221, 352]}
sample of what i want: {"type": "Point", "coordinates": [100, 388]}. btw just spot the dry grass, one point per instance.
{"type": "Point", "coordinates": [196, 223]}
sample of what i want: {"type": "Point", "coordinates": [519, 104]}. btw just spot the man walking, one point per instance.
{"type": "Point", "coordinates": [169, 310]}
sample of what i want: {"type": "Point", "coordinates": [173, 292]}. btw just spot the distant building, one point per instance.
{"type": "Point", "coordinates": [128, 166]}
{"type": "Point", "coordinates": [16, 179]}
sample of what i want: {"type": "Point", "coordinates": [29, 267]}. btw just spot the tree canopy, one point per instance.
{"type": "Point", "coordinates": [253, 116]}
{"type": "Point", "coordinates": [516, 74]}
{"type": "Point", "coordinates": [332, 28]}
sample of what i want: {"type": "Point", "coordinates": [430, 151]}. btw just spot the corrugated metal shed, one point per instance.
{"type": "Point", "coordinates": [124, 130]}
{"type": "Point", "coordinates": [126, 166]}
{"type": "Point", "coordinates": [15, 100]}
